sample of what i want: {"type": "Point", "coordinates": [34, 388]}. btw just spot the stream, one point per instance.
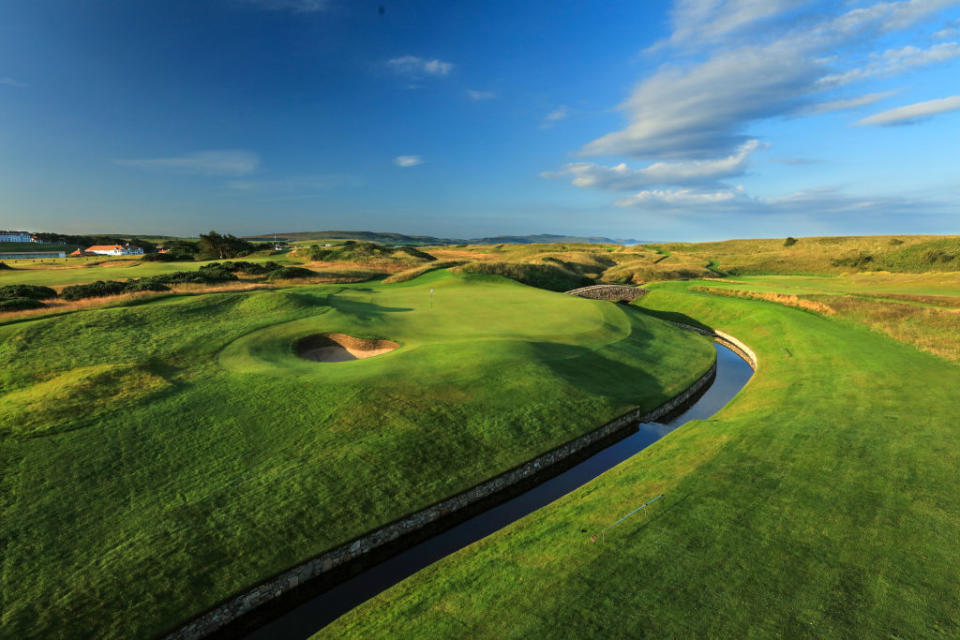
{"type": "Point", "coordinates": [309, 617]}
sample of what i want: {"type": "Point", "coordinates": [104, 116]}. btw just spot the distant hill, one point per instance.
{"type": "Point", "coordinates": [399, 238]}
{"type": "Point", "coordinates": [550, 238]}
{"type": "Point", "coordinates": [366, 236]}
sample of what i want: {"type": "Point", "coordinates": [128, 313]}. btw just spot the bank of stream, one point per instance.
{"type": "Point", "coordinates": [733, 372]}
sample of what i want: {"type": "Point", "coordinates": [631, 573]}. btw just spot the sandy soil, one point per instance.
{"type": "Point", "coordinates": [339, 347]}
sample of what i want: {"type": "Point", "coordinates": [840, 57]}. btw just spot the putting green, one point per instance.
{"type": "Point", "coordinates": [211, 456]}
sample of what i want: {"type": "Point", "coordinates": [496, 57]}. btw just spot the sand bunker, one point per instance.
{"type": "Point", "coordinates": [339, 347]}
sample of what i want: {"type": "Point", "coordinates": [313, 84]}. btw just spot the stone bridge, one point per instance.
{"type": "Point", "coordinates": [611, 292]}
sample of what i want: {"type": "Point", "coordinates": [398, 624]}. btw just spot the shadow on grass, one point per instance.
{"type": "Point", "coordinates": [362, 310]}
{"type": "Point", "coordinates": [598, 374]}
{"type": "Point", "coordinates": [672, 316]}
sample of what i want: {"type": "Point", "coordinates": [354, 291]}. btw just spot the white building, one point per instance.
{"type": "Point", "coordinates": [15, 236]}
{"type": "Point", "coordinates": [115, 250]}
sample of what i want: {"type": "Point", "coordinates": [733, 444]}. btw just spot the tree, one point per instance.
{"type": "Point", "coordinates": [146, 245]}
{"type": "Point", "coordinates": [215, 245]}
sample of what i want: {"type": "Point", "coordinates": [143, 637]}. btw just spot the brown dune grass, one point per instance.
{"type": "Point", "coordinates": [770, 296]}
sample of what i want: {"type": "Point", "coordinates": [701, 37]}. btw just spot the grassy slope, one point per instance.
{"type": "Point", "coordinates": [819, 504]}
{"type": "Point", "coordinates": [59, 273]}
{"type": "Point", "coordinates": [911, 254]}
{"type": "Point", "coordinates": [919, 309]}
{"type": "Point", "coordinates": [156, 458]}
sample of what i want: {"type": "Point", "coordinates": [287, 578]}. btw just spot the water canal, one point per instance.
{"type": "Point", "coordinates": [733, 372]}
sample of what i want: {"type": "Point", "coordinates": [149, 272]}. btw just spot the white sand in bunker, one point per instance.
{"type": "Point", "coordinates": [339, 347]}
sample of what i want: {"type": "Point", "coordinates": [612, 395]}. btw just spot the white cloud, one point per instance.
{"type": "Point", "coordinates": [296, 6]}
{"type": "Point", "coordinates": [952, 30]}
{"type": "Point", "coordinates": [847, 103]}
{"type": "Point", "coordinates": [823, 202]}
{"type": "Point", "coordinates": [413, 66]}
{"type": "Point", "coordinates": [910, 113]}
{"type": "Point", "coordinates": [226, 162]}
{"type": "Point", "coordinates": [701, 109]}
{"type": "Point", "coordinates": [554, 117]}
{"type": "Point", "coordinates": [481, 95]}
{"type": "Point", "coordinates": [407, 161]}
{"type": "Point", "coordinates": [678, 198]}
{"type": "Point", "coordinates": [622, 177]}
{"type": "Point", "coordinates": [893, 61]}
{"type": "Point", "coordinates": [559, 113]}
{"type": "Point", "coordinates": [10, 82]}
{"type": "Point", "coordinates": [700, 21]}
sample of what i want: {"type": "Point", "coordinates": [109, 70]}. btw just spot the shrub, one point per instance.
{"type": "Point", "coordinates": [100, 288]}
{"type": "Point", "coordinates": [208, 274]}
{"type": "Point", "coordinates": [896, 241]}
{"type": "Point", "coordinates": [27, 291]}
{"type": "Point", "coordinates": [287, 273]}
{"type": "Point", "coordinates": [146, 284]}
{"type": "Point", "coordinates": [20, 304]}
{"type": "Point", "coordinates": [933, 256]}
{"type": "Point", "coordinates": [96, 289]}
{"type": "Point", "coordinates": [789, 242]}
{"type": "Point", "coordinates": [251, 268]}
{"type": "Point", "coordinates": [318, 253]}
{"type": "Point", "coordinates": [4, 266]}
{"type": "Point", "coordinates": [857, 261]}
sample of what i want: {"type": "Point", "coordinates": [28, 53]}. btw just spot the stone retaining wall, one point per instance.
{"type": "Point", "coordinates": [314, 568]}
{"type": "Point", "coordinates": [727, 340]}
{"type": "Point", "coordinates": [609, 292]}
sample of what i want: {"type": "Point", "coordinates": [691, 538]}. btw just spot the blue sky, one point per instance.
{"type": "Point", "coordinates": [704, 119]}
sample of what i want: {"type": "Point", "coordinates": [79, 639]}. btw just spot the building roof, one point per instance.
{"type": "Point", "coordinates": [105, 247]}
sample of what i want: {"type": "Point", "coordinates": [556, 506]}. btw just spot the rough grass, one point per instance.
{"type": "Point", "coordinates": [157, 457]}
{"type": "Point", "coordinates": [770, 296]}
{"type": "Point", "coordinates": [818, 504]}
{"type": "Point", "coordinates": [928, 322]}
{"type": "Point", "coordinates": [416, 272]}
{"type": "Point", "coordinates": [908, 254]}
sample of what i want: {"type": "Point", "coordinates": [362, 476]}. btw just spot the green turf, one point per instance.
{"type": "Point", "coordinates": [820, 503]}
{"type": "Point", "coordinates": [157, 457]}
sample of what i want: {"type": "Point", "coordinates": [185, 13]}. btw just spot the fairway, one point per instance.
{"type": "Point", "coordinates": [819, 504]}
{"type": "Point", "coordinates": [161, 456]}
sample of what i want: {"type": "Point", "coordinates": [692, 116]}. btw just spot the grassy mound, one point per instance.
{"type": "Point", "coordinates": [21, 297]}
{"type": "Point", "coordinates": [369, 252]}
{"type": "Point", "coordinates": [27, 291]}
{"type": "Point", "coordinates": [158, 458]}
{"type": "Point", "coordinates": [818, 504]}
{"type": "Point", "coordinates": [543, 276]}
{"type": "Point", "coordinates": [20, 304]}
{"type": "Point", "coordinates": [416, 272]}
{"type": "Point", "coordinates": [290, 273]}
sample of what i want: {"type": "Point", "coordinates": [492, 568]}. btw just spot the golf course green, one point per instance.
{"type": "Point", "coordinates": [162, 455]}
{"type": "Point", "coordinates": [820, 503]}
